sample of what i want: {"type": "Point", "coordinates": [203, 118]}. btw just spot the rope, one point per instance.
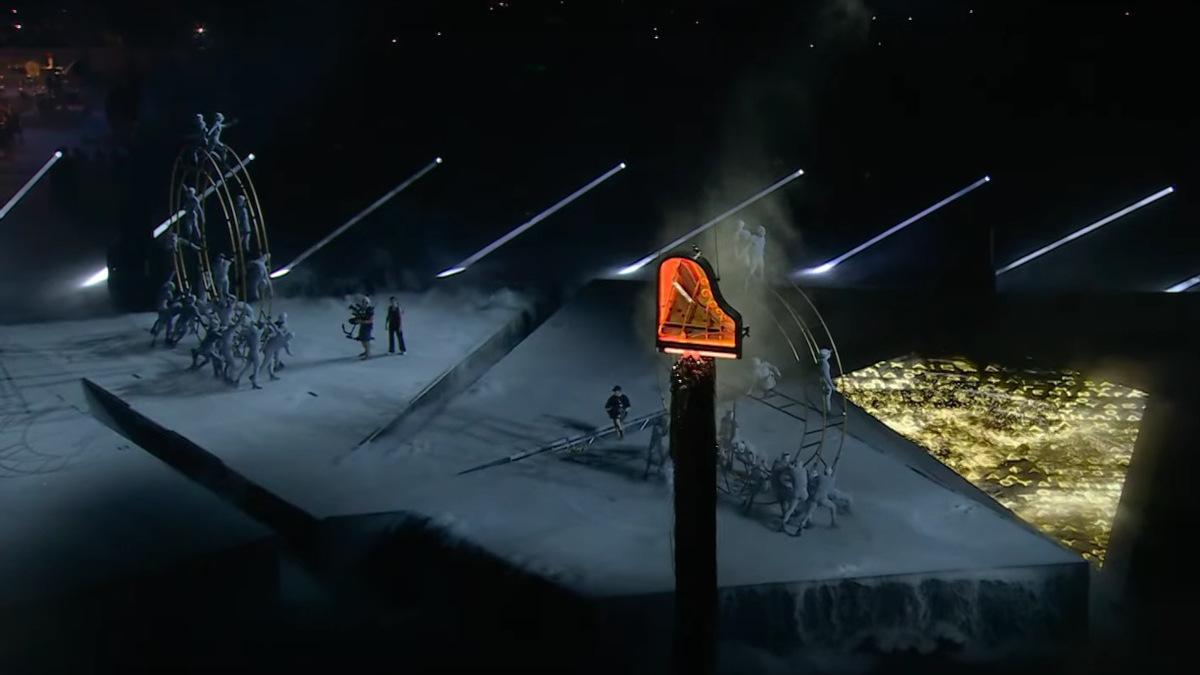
{"type": "Point", "coordinates": [716, 253]}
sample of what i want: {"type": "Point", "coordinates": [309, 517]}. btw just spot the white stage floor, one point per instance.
{"type": "Point", "coordinates": [585, 520]}
{"type": "Point", "coordinates": [79, 506]}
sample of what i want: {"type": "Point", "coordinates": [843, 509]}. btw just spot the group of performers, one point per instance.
{"type": "Point", "coordinates": [799, 491]}
{"type": "Point", "coordinates": [230, 336]}
{"type": "Point", "coordinates": [188, 242]}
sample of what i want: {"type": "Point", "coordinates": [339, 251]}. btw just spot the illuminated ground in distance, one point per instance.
{"type": "Point", "coordinates": [1051, 446]}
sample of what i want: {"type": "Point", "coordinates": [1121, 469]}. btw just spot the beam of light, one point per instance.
{"type": "Point", "coordinates": [1087, 230]}
{"type": "Point", "coordinates": [822, 269]}
{"type": "Point", "coordinates": [521, 229]}
{"type": "Point", "coordinates": [97, 278]}
{"type": "Point", "coordinates": [30, 183]}
{"type": "Point", "coordinates": [630, 269]}
{"type": "Point", "coordinates": [208, 191]}
{"type": "Point", "coordinates": [451, 272]}
{"type": "Point", "coordinates": [282, 271]}
{"type": "Point", "coordinates": [1183, 285]}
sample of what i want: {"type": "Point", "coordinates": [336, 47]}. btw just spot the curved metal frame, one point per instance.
{"type": "Point", "coordinates": [841, 372]}
{"type": "Point", "coordinates": [811, 344]}
{"type": "Point", "coordinates": [197, 167]}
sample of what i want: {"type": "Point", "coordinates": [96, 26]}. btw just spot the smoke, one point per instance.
{"type": "Point", "coordinates": [767, 132]}
{"type": "Point", "coordinates": [847, 20]}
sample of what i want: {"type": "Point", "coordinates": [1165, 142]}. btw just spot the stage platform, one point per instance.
{"type": "Point", "coordinates": [84, 513]}
{"type": "Point", "coordinates": [327, 405]}
{"type": "Point", "coordinates": [102, 542]}
{"type": "Point", "coordinates": [921, 563]}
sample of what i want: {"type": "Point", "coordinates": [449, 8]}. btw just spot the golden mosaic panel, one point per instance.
{"type": "Point", "coordinates": [1051, 446]}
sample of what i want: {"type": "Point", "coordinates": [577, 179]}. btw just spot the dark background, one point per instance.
{"type": "Point", "coordinates": [1074, 109]}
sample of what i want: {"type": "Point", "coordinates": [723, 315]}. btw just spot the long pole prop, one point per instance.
{"type": "Point", "coordinates": [630, 269]}
{"type": "Point", "coordinates": [821, 269]}
{"type": "Point", "coordinates": [354, 221]}
{"type": "Point", "coordinates": [520, 229]}
{"type": "Point", "coordinates": [30, 183]}
{"type": "Point", "coordinates": [1085, 231]}
{"type": "Point", "coordinates": [694, 453]}
{"type": "Point", "coordinates": [208, 192]}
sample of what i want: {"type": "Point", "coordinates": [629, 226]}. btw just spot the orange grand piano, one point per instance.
{"type": "Point", "coordinates": [693, 318]}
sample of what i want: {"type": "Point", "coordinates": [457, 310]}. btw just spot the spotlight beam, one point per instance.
{"type": "Point", "coordinates": [208, 191]}
{"type": "Point", "coordinates": [97, 278]}
{"type": "Point", "coordinates": [354, 221]}
{"type": "Point", "coordinates": [1183, 285]}
{"type": "Point", "coordinates": [30, 183]}
{"type": "Point", "coordinates": [630, 269]}
{"type": "Point", "coordinates": [521, 229]}
{"type": "Point", "coordinates": [822, 269]}
{"type": "Point", "coordinates": [1087, 230]}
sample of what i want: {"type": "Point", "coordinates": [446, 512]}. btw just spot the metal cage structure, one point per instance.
{"type": "Point", "coordinates": [222, 175]}
{"type": "Point", "coordinates": [822, 432]}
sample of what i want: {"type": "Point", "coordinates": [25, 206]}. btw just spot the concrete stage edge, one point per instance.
{"type": "Point", "coordinates": [157, 555]}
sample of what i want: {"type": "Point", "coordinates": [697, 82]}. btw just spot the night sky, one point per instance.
{"type": "Point", "coordinates": [1074, 111]}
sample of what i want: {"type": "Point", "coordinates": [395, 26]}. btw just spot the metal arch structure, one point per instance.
{"type": "Point", "coordinates": [223, 179]}
{"type": "Point", "coordinates": [835, 353]}
{"type": "Point", "coordinates": [823, 435]}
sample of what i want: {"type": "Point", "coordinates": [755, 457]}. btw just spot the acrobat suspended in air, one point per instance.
{"type": "Point", "coordinates": [192, 220]}
{"type": "Point", "coordinates": [827, 387]}
{"type": "Point", "coordinates": [755, 254]}
{"type": "Point", "coordinates": [200, 136]}
{"type": "Point", "coordinates": [220, 275]}
{"type": "Point", "coordinates": [245, 229]}
{"type": "Point", "coordinates": [213, 142]}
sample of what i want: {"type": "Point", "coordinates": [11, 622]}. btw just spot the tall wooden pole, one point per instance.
{"type": "Point", "coordinates": [694, 452]}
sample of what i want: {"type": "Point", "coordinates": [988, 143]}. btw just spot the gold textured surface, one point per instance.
{"type": "Point", "coordinates": [1051, 446]}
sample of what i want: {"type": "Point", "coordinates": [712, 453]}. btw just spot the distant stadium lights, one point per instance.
{"type": "Point", "coordinates": [30, 183]}
{"type": "Point", "coordinates": [822, 269]}
{"type": "Point", "coordinates": [97, 278]}
{"type": "Point", "coordinates": [516, 232]}
{"type": "Point", "coordinates": [1087, 230]}
{"type": "Point", "coordinates": [166, 224]}
{"type": "Point", "coordinates": [353, 221]}
{"type": "Point", "coordinates": [1184, 285]}
{"type": "Point", "coordinates": [630, 269]}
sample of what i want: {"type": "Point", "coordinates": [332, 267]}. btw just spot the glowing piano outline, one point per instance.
{"type": "Point", "coordinates": [710, 326]}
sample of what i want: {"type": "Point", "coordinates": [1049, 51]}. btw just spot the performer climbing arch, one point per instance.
{"type": "Point", "coordinates": [821, 430]}
{"type": "Point", "coordinates": [230, 222]}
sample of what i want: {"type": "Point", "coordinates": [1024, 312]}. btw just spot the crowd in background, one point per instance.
{"type": "Point", "coordinates": [11, 133]}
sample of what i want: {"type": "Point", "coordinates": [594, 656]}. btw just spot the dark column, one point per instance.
{"type": "Point", "coordinates": [694, 451]}
{"type": "Point", "coordinates": [1150, 563]}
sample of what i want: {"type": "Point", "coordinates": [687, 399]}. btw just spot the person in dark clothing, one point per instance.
{"type": "Point", "coordinates": [395, 327]}
{"type": "Point", "coordinates": [617, 408]}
